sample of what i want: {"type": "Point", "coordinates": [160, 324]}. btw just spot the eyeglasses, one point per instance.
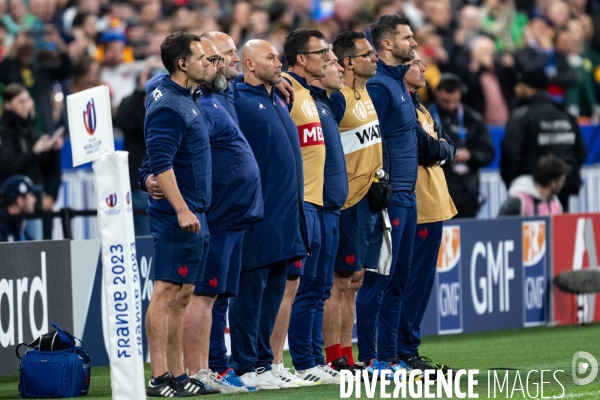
{"type": "Point", "coordinates": [321, 52]}
{"type": "Point", "coordinates": [368, 54]}
{"type": "Point", "coordinates": [215, 60]}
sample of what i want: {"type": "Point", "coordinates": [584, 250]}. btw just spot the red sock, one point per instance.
{"type": "Point", "coordinates": [347, 351]}
{"type": "Point", "coordinates": [333, 352]}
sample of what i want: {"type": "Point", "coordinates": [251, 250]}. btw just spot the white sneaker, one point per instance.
{"type": "Point", "coordinates": [254, 379]}
{"type": "Point", "coordinates": [274, 379]}
{"type": "Point", "coordinates": [333, 374]}
{"type": "Point", "coordinates": [314, 375]}
{"type": "Point", "coordinates": [213, 380]}
{"type": "Point", "coordinates": [285, 375]}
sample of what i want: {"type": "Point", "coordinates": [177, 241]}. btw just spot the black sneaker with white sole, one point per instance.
{"type": "Point", "coordinates": [341, 364]}
{"type": "Point", "coordinates": [194, 387]}
{"type": "Point", "coordinates": [163, 386]}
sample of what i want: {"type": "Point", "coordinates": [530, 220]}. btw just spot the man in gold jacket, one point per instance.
{"type": "Point", "coordinates": [434, 206]}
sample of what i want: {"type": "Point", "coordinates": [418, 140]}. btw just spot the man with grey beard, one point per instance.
{"type": "Point", "coordinates": [237, 204]}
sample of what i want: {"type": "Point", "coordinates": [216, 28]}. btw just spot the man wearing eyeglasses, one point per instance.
{"type": "Point", "coordinates": [360, 227]}
{"type": "Point", "coordinates": [306, 54]}
{"type": "Point", "coordinates": [178, 155]}
{"type": "Point", "coordinates": [237, 204]}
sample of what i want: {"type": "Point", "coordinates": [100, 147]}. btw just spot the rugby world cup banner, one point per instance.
{"type": "Point", "coordinates": [491, 274]}
{"type": "Point", "coordinates": [90, 126]}
{"type": "Point", "coordinates": [576, 242]}
{"type": "Point", "coordinates": [122, 292]}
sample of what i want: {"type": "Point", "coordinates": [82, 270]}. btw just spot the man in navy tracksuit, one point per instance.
{"type": "Point", "coordinates": [178, 155]}
{"type": "Point", "coordinates": [281, 237]}
{"type": "Point", "coordinates": [379, 300]}
{"type": "Point", "coordinates": [306, 347]}
{"type": "Point", "coordinates": [237, 203]}
{"type": "Point", "coordinates": [335, 192]}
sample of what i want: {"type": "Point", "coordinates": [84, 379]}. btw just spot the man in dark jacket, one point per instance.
{"type": "Point", "coordinates": [281, 237]}
{"type": "Point", "coordinates": [178, 155]}
{"type": "Point", "coordinates": [17, 196]}
{"type": "Point", "coordinates": [538, 127]}
{"type": "Point", "coordinates": [379, 299]}
{"type": "Point", "coordinates": [474, 147]}
{"type": "Point", "coordinates": [22, 153]}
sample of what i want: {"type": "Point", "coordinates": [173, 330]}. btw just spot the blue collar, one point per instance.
{"type": "Point", "coordinates": [396, 72]}
{"type": "Point", "coordinates": [167, 81]}
{"type": "Point", "coordinates": [204, 92]}
{"type": "Point", "coordinates": [259, 90]}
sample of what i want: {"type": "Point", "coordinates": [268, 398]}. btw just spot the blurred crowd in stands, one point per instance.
{"type": "Point", "coordinates": [54, 48]}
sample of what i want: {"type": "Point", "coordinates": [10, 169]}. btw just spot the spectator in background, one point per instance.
{"type": "Point", "coordinates": [504, 23]}
{"type": "Point", "coordinates": [539, 53]}
{"type": "Point", "coordinates": [538, 127]}
{"type": "Point", "coordinates": [38, 70]}
{"type": "Point", "coordinates": [489, 80]}
{"type": "Point", "coordinates": [21, 153]}
{"type": "Point", "coordinates": [3, 36]}
{"type": "Point", "coordinates": [17, 19]}
{"type": "Point", "coordinates": [130, 119]}
{"type": "Point", "coordinates": [581, 97]}
{"type": "Point", "coordinates": [469, 28]}
{"type": "Point", "coordinates": [536, 194]}
{"type": "Point", "coordinates": [119, 74]}
{"type": "Point", "coordinates": [87, 74]}
{"type": "Point", "coordinates": [439, 15]}
{"type": "Point", "coordinates": [474, 148]}
{"type": "Point", "coordinates": [558, 13]}
{"type": "Point", "coordinates": [17, 196]}
{"type": "Point", "coordinates": [84, 31]}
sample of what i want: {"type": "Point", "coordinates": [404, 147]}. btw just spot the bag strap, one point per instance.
{"type": "Point", "coordinates": [17, 350]}
{"type": "Point", "coordinates": [63, 336]}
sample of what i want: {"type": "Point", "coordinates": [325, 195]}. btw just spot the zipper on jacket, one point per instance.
{"type": "Point", "coordinates": [300, 200]}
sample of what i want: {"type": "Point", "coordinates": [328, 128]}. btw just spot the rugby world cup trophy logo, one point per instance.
{"type": "Point", "coordinates": [89, 117]}
{"type": "Point", "coordinates": [111, 200]}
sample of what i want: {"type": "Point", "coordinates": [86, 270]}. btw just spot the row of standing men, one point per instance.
{"type": "Point", "coordinates": [309, 182]}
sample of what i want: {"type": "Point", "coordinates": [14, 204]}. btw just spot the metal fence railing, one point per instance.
{"type": "Point", "coordinates": [75, 208]}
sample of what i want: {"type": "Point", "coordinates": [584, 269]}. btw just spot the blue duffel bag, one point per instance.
{"type": "Point", "coordinates": [54, 366]}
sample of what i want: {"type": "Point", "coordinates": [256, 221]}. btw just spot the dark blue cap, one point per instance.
{"type": "Point", "coordinates": [19, 185]}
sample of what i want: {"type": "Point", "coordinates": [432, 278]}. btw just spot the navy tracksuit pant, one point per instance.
{"type": "Point", "coordinates": [217, 358]}
{"type": "Point", "coordinates": [379, 300]}
{"type": "Point", "coordinates": [252, 316]}
{"type": "Point", "coordinates": [304, 335]}
{"type": "Point", "coordinates": [422, 277]}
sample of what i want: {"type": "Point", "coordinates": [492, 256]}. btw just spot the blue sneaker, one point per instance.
{"type": "Point", "coordinates": [377, 365]}
{"type": "Point", "coordinates": [403, 365]}
{"type": "Point", "coordinates": [232, 379]}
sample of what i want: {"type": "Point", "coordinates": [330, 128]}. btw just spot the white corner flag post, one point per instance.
{"type": "Point", "coordinates": [91, 132]}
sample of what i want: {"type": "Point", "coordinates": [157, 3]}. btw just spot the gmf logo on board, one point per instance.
{"type": "Point", "coordinates": [449, 282]}
{"type": "Point", "coordinates": [89, 117]}
{"type": "Point", "coordinates": [534, 273]}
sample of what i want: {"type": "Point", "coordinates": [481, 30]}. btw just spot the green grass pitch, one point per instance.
{"type": "Point", "coordinates": [514, 350]}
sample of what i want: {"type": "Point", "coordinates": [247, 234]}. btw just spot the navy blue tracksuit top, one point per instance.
{"type": "Point", "coordinates": [268, 127]}
{"type": "Point", "coordinates": [226, 98]}
{"type": "Point", "coordinates": [335, 189]}
{"type": "Point", "coordinates": [397, 119]}
{"type": "Point", "coordinates": [177, 138]}
{"type": "Point", "coordinates": [236, 193]}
